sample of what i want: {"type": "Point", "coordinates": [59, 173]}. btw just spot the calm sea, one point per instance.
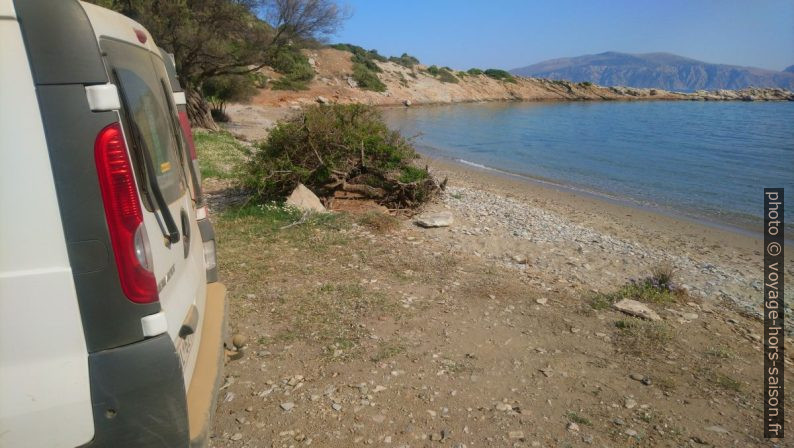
{"type": "Point", "coordinates": [705, 160]}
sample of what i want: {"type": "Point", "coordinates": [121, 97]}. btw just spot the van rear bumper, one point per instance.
{"type": "Point", "coordinates": [138, 392]}
{"type": "Point", "coordinates": [209, 366]}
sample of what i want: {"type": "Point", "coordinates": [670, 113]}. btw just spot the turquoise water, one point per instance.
{"type": "Point", "coordinates": [705, 160]}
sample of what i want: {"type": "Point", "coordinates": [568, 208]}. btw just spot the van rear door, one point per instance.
{"type": "Point", "coordinates": [149, 127]}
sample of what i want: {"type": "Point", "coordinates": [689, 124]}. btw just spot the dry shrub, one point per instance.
{"type": "Point", "coordinates": [340, 147]}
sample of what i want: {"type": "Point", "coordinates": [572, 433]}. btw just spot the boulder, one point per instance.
{"type": "Point", "coordinates": [303, 199]}
{"type": "Point", "coordinates": [352, 82]}
{"type": "Point", "coordinates": [322, 100]}
{"type": "Point", "coordinates": [637, 309]}
{"type": "Point", "coordinates": [427, 220]}
{"type": "Point", "coordinates": [407, 103]}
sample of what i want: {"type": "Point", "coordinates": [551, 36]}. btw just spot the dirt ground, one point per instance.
{"type": "Point", "coordinates": [367, 330]}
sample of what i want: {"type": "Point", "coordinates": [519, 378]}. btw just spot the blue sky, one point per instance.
{"type": "Point", "coordinates": [513, 33]}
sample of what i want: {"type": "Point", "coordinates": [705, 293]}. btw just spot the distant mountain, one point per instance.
{"type": "Point", "coordinates": [656, 70]}
{"type": "Point", "coordinates": [789, 69]}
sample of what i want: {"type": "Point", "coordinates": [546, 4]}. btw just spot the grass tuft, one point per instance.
{"type": "Point", "coordinates": [379, 222]}
{"type": "Point", "coordinates": [220, 155]}
{"type": "Point", "coordinates": [578, 419]}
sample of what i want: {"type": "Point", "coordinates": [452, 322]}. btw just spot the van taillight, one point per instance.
{"type": "Point", "coordinates": [124, 216]}
{"type": "Point", "coordinates": [184, 123]}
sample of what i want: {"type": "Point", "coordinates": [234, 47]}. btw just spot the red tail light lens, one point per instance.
{"type": "Point", "coordinates": [184, 123]}
{"type": "Point", "coordinates": [124, 216]}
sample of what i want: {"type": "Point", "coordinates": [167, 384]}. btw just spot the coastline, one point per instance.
{"type": "Point", "coordinates": [597, 196]}
{"type": "Point", "coordinates": [580, 242]}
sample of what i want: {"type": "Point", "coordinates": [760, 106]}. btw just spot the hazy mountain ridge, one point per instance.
{"type": "Point", "coordinates": [657, 70]}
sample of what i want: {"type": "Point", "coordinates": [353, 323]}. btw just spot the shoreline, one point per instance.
{"type": "Point", "coordinates": [625, 202]}
{"type": "Point", "coordinates": [580, 242]}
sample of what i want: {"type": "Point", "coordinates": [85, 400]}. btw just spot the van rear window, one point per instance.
{"type": "Point", "coordinates": [141, 84]}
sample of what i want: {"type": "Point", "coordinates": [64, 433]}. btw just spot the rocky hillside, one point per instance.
{"type": "Point", "coordinates": [789, 69]}
{"type": "Point", "coordinates": [334, 81]}
{"type": "Point", "coordinates": [656, 70]}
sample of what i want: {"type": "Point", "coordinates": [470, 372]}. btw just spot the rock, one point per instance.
{"type": "Point", "coordinates": [619, 421]}
{"type": "Point", "coordinates": [288, 406]}
{"type": "Point", "coordinates": [717, 429]}
{"type": "Point", "coordinates": [428, 220]}
{"type": "Point", "coordinates": [690, 316]}
{"type": "Point", "coordinates": [378, 418]}
{"type": "Point", "coordinates": [573, 427]}
{"type": "Point", "coordinates": [637, 377]}
{"type": "Point", "coordinates": [435, 437]}
{"type": "Point", "coordinates": [239, 340]}
{"type": "Point", "coordinates": [312, 62]}
{"type": "Point", "coordinates": [303, 199]}
{"type": "Point", "coordinates": [515, 434]}
{"type": "Point", "coordinates": [637, 309]}
{"type": "Point", "coordinates": [630, 403]}
{"type": "Point", "coordinates": [336, 407]}
{"type": "Point", "coordinates": [520, 259]}
{"type": "Point", "coordinates": [322, 100]}
{"type": "Point", "coordinates": [646, 381]}
{"type": "Point", "coordinates": [547, 371]}
{"type": "Point", "coordinates": [237, 436]}
{"type": "Point", "coordinates": [352, 82]}
{"type": "Point", "coordinates": [541, 301]}
{"type": "Point", "coordinates": [503, 407]}
{"type": "Point", "coordinates": [631, 433]}
{"type": "Point", "coordinates": [407, 103]}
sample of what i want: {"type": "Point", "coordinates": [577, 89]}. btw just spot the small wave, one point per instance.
{"type": "Point", "coordinates": [477, 165]}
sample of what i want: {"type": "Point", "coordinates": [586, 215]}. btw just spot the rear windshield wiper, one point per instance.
{"type": "Point", "coordinates": [172, 232]}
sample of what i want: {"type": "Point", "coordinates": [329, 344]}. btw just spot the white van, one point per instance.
{"type": "Point", "coordinates": [110, 333]}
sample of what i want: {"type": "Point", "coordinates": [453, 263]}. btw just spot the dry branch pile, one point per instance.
{"type": "Point", "coordinates": [340, 148]}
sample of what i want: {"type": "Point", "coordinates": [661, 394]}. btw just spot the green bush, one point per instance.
{"type": "Point", "coordinates": [586, 84]}
{"type": "Point", "coordinates": [413, 174]}
{"type": "Point", "coordinates": [406, 60]}
{"type": "Point", "coordinates": [500, 75]}
{"type": "Point", "coordinates": [474, 71]}
{"type": "Point", "coordinates": [367, 79]}
{"type": "Point", "coordinates": [334, 147]}
{"type": "Point", "coordinates": [362, 56]}
{"type": "Point", "coordinates": [295, 67]}
{"type": "Point", "coordinates": [445, 75]}
{"type": "Point", "coordinates": [222, 89]}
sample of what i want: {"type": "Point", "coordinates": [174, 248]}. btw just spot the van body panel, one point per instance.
{"type": "Point", "coordinates": [36, 281]}
{"type": "Point", "coordinates": [107, 23]}
{"type": "Point", "coordinates": [59, 44]}
{"type": "Point", "coordinates": [7, 9]}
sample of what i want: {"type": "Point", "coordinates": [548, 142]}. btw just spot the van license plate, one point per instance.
{"type": "Point", "coordinates": [183, 349]}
